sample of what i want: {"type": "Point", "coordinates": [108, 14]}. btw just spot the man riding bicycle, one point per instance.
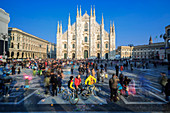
{"type": "Point", "coordinates": [70, 86]}
{"type": "Point", "coordinates": [90, 81]}
{"type": "Point", "coordinates": [70, 83]}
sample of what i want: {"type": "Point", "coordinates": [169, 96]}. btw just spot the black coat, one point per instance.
{"type": "Point", "coordinates": [117, 67]}
{"type": "Point", "coordinates": [167, 89]}
{"type": "Point", "coordinates": [54, 80]}
{"type": "Point", "coordinates": [126, 82]}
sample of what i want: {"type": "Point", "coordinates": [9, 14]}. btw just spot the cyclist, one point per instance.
{"type": "Point", "coordinates": [90, 80]}
{"type": "Point", "coordinates": [77, 83]}
{"type": "Point", "coordinates": [70, 86]}
{"type": "Point", "coordinates": [70, 83]}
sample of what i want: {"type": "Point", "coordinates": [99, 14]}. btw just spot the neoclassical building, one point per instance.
{"type": "Point", "coordinates": [25, 45]}
{"type": "Point", "coordinates": [4, 20]}
{"type": "Point", "coordinates": [85, 38]}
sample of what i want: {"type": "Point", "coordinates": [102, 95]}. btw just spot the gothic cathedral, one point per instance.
{"type": "Point", "coordinates": [85, 38]}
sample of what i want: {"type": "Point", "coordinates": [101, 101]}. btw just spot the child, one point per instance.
{"type": "Point", "coordinates": [27, 82]}
{"type": "Point", "coordinates": [34, 72]}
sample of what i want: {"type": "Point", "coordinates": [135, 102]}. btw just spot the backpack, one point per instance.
{"type": "Point", "coordinates": [69, 83]}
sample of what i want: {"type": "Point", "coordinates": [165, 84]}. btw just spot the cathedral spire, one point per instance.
{"type": "Point", "coordinates": [69, 23]}
{"type": "Point", "coordinates": [61, 27]}
{"type": "Point", "coordinates": [102, 19]}
{"type": "Point", "coordinates": [113, 27]}
{"type": "Point", "coordinates": [94, 10]}
{"type": "Point", "coordinates": [110, 27]}
{"type": "Point", "coordinates": [77, 11]}
{"type": "Point", "coordinates": [91, 14]}
{"type": "Point", "coordinates": [80, 10]}
{"type": "Point", "coordinates": [58, 27]}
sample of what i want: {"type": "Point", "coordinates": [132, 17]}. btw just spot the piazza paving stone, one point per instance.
{"type": "Point", "coordinates": [16, 96]}
{"type": "Point", "coordinates": [147, 97]}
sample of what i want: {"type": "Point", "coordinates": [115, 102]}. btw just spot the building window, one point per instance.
{"type": "Point", "coordinates": [85, 39]}
{"type": "Point", "coordinates": [86, 27]}
{"type": "Point", "coordinates": [74, 37]}
{"type": "Point", "coordinates": [73, 46]}
{"type": "Point", "coordinates": [98, 37]}
{"type": "Point", "coordinates": [106, 45]}
{"type": "Point", "coordinates": [98, 46]}
{"type": "Point", "coordinates": [12, 45]}
{"type": "Point", "coordinates": [65, 46]}
{"type": "Point", "coordinates": [18, 45]}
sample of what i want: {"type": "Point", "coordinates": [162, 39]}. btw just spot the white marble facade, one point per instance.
{"type": "Point", "coordinates": [4, 20]}
{"type": "Point", "coordinates": [85, 38]}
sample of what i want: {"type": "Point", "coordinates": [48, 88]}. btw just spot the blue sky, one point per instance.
{"type": "Point", "coordinates": [135, 20]}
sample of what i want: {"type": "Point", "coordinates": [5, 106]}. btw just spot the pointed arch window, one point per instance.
{"type": "Point", "coordinates": [85, 39]}
{"type": "Point", "coordinates": [98, 46]}
{"type": "Point", "coordinates": [106, 45]}
{"type": "Point", "coordinates": [74, 37]}
{"type": "Point", "coordinates": [65, 46]}
{"type": "Point", "coordinates": [86, 27]}
{"type": "Point", "coordinates": [98, 37]}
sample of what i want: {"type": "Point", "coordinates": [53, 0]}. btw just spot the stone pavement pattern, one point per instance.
{"type": "Point", "coordinates": [147, 98]}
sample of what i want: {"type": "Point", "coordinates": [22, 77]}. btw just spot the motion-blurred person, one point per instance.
{"type": "Point", "coordinates": [102, 75]}
{"type": "Point", "coordinates": [163, 81]}
{"type": "Point", "coordinates": [113, 82]}
{"type": "Point", "coordinates": [167, 91]}
{"type": "Point", "coordinates": [47, 83]}
{"type": "Point", "coordinates": [59, 81]}
{"type": "Point", "coordinates": [72, 68]}
{"type": "Point", "coordinates": [126, 84]}
{"type": "Point", "coordinates": [54, 82]}
{"type": "Point", "coordinates": [117, 69]}
{"type": "Point", "coordinates": [98, 76]}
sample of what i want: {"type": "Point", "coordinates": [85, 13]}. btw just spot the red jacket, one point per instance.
{"type": "Point", "coordinates": [77, 81]}
{"type": "Point", "coordinates": [121, 68]}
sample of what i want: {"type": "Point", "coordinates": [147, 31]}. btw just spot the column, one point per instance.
{"type": "Point", "coordinates": [20, 55]}
{"type": "Point", "coordinates": [15, 54]}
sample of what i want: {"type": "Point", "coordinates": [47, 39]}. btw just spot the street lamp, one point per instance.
{"type": "Point", "coordinates": [4, 36]}
{"type": "Point", "coordinates": [165, 37]}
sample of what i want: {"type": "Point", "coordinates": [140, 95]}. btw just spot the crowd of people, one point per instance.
{"type": "Point", "coordinates": [94, 73]}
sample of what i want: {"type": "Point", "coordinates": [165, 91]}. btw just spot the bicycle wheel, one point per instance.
{"type": "Point", "coordinates": [94, 92]}
{"type": "Point", "coordinates": [65, 94]}
{"type": "Point", "coordinates": [72, 98]}
{"type": "Point", "coordinates": [85, 94]}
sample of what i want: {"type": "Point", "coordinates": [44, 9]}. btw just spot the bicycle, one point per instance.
{"type": "Point", "coordinates": [67, 94]}
{"type": "Point", "coordinates": [88, 92]}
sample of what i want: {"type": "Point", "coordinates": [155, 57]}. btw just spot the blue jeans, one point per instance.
{"type": "Point", "coordinates": [6, 89]}
{"type": "Point", "coordinates": [126, 93]}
